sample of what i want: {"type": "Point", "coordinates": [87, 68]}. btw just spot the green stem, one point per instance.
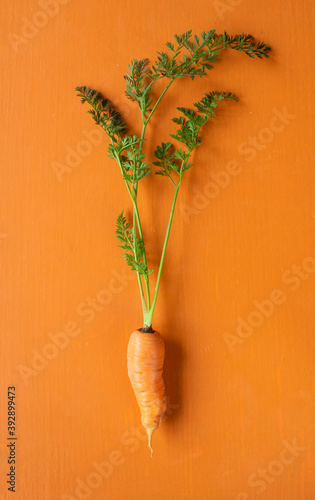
{"type": "Point", "coordinates": [146, 278]}
{"type": "Point", "coordinates": [135, 207]}
{"type": "Point", "coordinates": [157, 103]}
{"type": "Point", "coordinates": [145, 307]}
{"type": "Point", "coordinates": [149, 316]}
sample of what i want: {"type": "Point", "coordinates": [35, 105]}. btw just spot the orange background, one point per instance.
{"type": "Point", "coordinates": [238, 403]}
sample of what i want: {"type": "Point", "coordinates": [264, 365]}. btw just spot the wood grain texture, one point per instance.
{"type": "Point", "coordinates": [236, 305]}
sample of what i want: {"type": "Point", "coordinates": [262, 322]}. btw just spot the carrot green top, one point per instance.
{"type": "Point", "coordinates": [189, 56]}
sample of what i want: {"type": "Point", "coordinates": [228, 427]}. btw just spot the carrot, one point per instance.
{"type": "Point", "coordinates": [146, 347]}
{"type": "Point", "coordinates": [145, 358]}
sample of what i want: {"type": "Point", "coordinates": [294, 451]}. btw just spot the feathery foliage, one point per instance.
{"type": "Point", "coordinates": [136, 88]}
{"type": "Point", "coordinates": [131, 158]}
{"type": "Point", "coordinates": [191, 121]}
{"type": "Point", "coordinates": [133, 247]}
{"type": "Point", "coordinates": [200, 52]}
{"type": "Point", "coordinates": [187, 56]}
{"type": "Point", "coordinates": [103, 112]}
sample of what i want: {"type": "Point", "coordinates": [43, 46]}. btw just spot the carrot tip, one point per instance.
{"type": "Point", "coordinates": [149, 441]}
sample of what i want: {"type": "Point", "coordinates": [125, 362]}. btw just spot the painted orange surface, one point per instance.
{"type": "Point", "coordinates": [236, 305]}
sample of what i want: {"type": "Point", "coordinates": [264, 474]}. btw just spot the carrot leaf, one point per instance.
{"type": "Point", "coordinates": [133, 247]}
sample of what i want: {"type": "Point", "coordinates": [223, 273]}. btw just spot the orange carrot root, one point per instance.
{"type": "Point", "coordinates": [145, 359]}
